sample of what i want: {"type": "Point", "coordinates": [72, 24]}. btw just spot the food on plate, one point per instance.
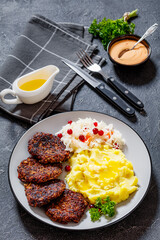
{"type": "Point", "coordinates": [84, 134]}
{"type": "Point", "coordinates": [47, 148]}
{"type": "Point", "coordinates": [31, 170]}
{"type": "Point", "coordinates": [135, 56]}
{"type": "Point", "coordinates": [100, 172]}
{"type": "Point", "coordinates": [41, 194]}
{"type": "Point", "coordinates": [105, 207]}
{"type": "Point", "coordinates": [108, 29]}
{"type": "Point", "coordinates": [69, 207]}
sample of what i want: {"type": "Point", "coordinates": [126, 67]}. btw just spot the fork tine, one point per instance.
{"type": "Point", "coordinates": [81, 59]}
{"type": "Point", "coordinates": [88, 57]}
{"type": "Point", "coordinates": [86, 60]}
{"type": "Point", "coordinates": [83, 56]}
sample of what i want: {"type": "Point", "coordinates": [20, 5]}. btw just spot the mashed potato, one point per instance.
{"type": "Point", "coordinates": [100, 172]}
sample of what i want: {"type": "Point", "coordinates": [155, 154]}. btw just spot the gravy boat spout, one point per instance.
{"type": "Point", "coordinates": [47, 74]}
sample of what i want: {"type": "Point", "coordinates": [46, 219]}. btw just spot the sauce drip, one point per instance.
{"type": "Point", "coordinates": [32, 85]}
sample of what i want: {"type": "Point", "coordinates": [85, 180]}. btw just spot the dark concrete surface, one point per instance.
{"type": "Point", "coordinates": [144, 222]}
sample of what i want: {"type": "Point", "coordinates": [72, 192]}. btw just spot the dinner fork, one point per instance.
{"type": "Point", "coordinates": [94, 67]}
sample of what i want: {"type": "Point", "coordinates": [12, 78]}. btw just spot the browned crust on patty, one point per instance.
{"type": "Point", "coordinates": [31, 170]}
{"type": "Point", "coordinates": [41, 194]}
{"type": "Point", "coordinates": [47, 148]}
{"type": "Point", "coordinates": [69, 207]}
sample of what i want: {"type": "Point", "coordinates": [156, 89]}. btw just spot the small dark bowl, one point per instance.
{"type": "Point", "coordinates": [131, 37]}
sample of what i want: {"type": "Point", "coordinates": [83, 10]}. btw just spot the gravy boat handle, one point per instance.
{"type": "Point", "coordinates": [6, 91]}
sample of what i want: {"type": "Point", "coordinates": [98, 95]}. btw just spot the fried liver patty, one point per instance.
{"type": "Point", "coordinates": [69, 207]}
{"type": "Point", "coordinates": [31, 170]}
{"type": "Point", "coordinates": [47, 148]}
{"type": "Point", "coordinates": [41, 194]}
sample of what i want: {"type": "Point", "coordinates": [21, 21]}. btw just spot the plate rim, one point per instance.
{"type": "Point", "coordinates": [70, 228]}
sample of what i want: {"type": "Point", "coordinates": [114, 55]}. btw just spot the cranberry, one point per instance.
{"type": "Point", "coordinates": [116, 146]}
{"type": "Point", "coordinates": [69, 122]}
{"type": "Point", "coordinates": [82, 138]}
{"type": "Point", "coordinates": [69, 131]}
{"type": "Point", "coordinates": [95, 124]}
{"type": "Point", "coordinates": [60, 135]}
{"type": "Point", "coordinates": [91, 206]}
{"type": "Point", "coordinates": [67, 168]}
{"type": "Point", "coordinates": [100, 132]}
{"type": "Point", "coordinates": [95, 130]}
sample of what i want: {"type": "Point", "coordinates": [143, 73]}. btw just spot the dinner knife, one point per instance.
{"type": "Point", "coordinates": [124, 92]}
{"type": "Point", "coordinates": [101, 88]}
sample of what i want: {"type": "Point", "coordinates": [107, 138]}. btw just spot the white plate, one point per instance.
{"type": "Point", "coordinates": [136, 152]}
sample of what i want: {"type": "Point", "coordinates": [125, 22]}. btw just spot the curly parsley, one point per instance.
{"type": "Point", "coordinates": [106, 208]}
{"type": "Point", "coordinates": [95, 214]}
{"type": "Point", "coordinates": [108, 29]}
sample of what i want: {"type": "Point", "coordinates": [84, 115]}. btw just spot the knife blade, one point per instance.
{"type": "Point", "coordinates": [102, 89]}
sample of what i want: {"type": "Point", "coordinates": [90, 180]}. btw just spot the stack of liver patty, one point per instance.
{"type": "Point", "coordinates": [39, 174]}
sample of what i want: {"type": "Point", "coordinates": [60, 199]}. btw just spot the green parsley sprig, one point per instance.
{"type": "Point", "coordinates": [106, 208]}
{"type": "Point", "coordinates": [108, 29]}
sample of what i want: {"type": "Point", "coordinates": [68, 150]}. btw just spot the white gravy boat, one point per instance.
{"type": "Point", "coordinates": [47, 73]}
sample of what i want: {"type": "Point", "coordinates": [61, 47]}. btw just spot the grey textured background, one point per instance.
{"type": "Point", "coordinates": [144, 222]}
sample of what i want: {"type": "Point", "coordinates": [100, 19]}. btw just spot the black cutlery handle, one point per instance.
{"type": "Point", "coordinates": [125, 93]}
{"type": "Point", "coordinates": [115, 99]}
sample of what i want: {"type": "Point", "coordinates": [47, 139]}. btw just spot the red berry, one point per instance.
{"type": "Point", "coordinates": [69, 131]}
{"type": "Point", "coordinates": [67, 168]}
{"type": "Point", "coordinates": [69, 122]}
{"type": "Point", "coordinates": [91, 206]}
{"type": "Point", "coordinates": [95, 130]}
{"type": "Point", "coordinates": [116, 145]}
{"type": "Point", "coordinates": [95, 124]}
{"type": "Point", "coordinates": [60, 135]}
{"type": "Point", "coordinates": [100, 132]}
{"type": "Point", "coordinates": [82, 138]}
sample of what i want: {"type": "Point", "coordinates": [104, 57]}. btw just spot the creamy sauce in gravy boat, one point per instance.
{"type": "Point", "coordinates": [47, 74]}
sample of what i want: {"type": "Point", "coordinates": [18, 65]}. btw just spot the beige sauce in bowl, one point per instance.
{"type": "Point", "coordinates": [132, 57]}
